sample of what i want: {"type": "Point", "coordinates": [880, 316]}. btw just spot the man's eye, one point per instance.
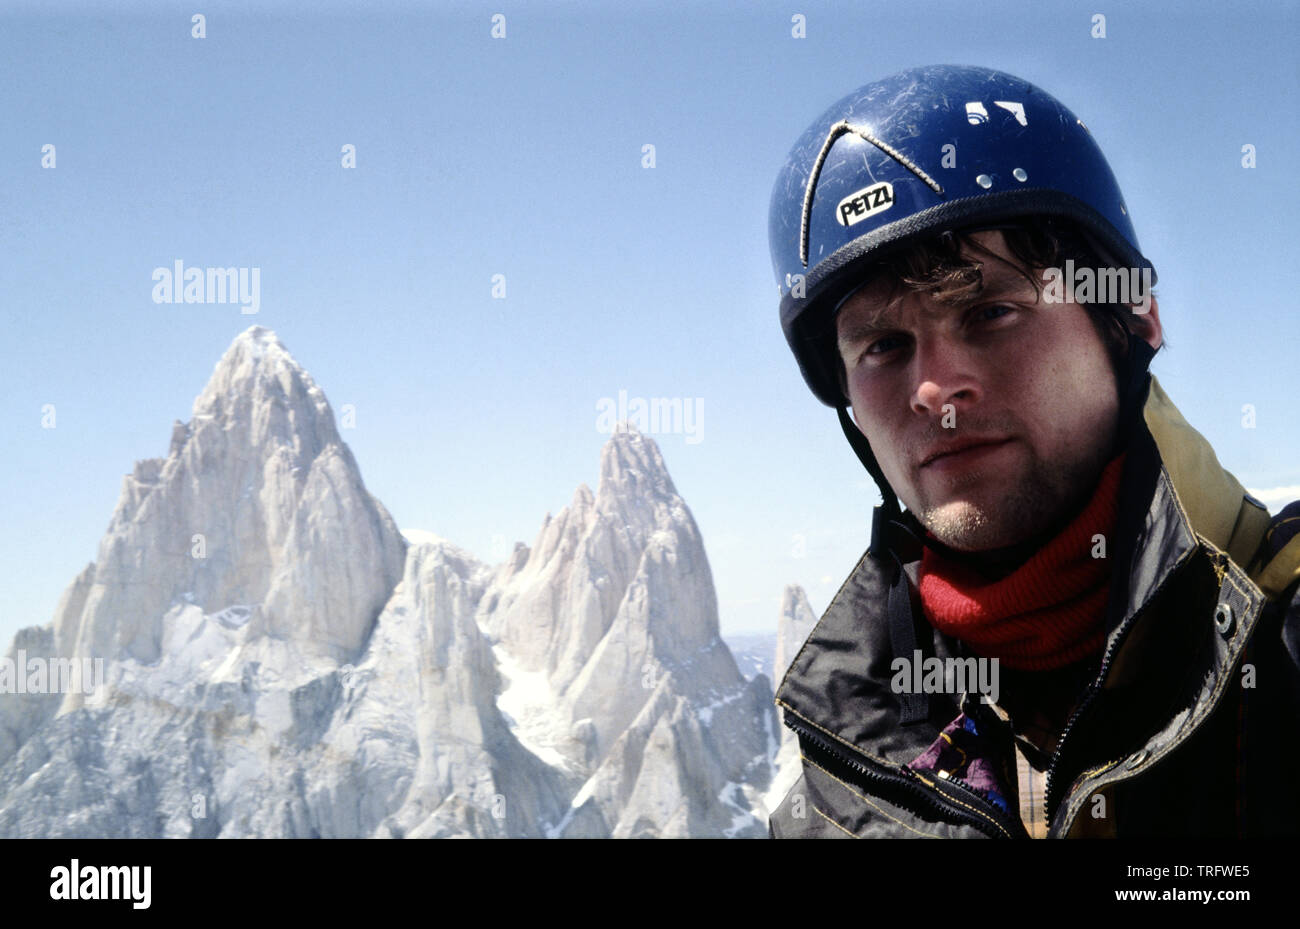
{"type": "Point", "coordinates": [880, 346]}
{"type": "Point", "coordinates": [991, 312]}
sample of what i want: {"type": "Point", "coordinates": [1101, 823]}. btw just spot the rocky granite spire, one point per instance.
{"type": "Point", "coordinates": [259, 504]}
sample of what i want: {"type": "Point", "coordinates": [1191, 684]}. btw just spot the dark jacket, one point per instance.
{"type": "Point", "coordinates": [1169, 732]}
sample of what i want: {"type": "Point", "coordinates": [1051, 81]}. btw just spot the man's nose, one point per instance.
{"type": "Point", "coordinates": [943, 375]}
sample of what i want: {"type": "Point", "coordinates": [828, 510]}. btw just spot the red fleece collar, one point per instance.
{"type": "Point", "coordinates": [1046, 614]}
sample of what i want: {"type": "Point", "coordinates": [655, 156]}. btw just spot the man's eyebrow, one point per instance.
{"type": "Point", "coordinates": [1000, 278]}
{"type": "Point", "coordinates": [997, 280]}
{"type": "Point", "coordinates": [864, 329]}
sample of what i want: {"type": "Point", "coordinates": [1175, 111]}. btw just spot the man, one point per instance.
{"type": "Point", "coordinates": [1081, 625]}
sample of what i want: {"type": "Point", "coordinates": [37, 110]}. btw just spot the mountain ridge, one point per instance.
{"type": "Point", "coordinates": [282, 661]}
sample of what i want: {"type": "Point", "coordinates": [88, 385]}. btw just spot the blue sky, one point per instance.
{"type": "Point", "coordinates": [522, 157]}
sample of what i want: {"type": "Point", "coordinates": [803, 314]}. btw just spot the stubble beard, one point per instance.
{"type": "Point", "coordinates": [1044, 499]}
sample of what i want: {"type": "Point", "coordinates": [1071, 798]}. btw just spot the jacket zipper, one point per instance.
{"type": "Point", "coordinates": [910, 783]}
{"type": "Point", "coordinates": [1093, 689]}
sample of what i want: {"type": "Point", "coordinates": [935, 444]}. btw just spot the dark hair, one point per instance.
{"type": "Point", "coordinates": [936, 266]}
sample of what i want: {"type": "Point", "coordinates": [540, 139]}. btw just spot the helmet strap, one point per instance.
{"type": "Point", "coordinates": [1134, 381]}
{"type": "Point", "coordinates": [894, 534]}
{"type": "Point", "coordinates": [894, 539]}
{"type": "Point", "coordinates": [868, 458]}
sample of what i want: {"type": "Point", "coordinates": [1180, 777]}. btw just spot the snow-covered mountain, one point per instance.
{"type": "Point", "coordinates": [280, 661]}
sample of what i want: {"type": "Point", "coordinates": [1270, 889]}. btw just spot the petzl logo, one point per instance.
{"type": "Point", "coordinates": [866, 202]}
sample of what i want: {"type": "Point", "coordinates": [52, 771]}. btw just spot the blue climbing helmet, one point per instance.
{"type": "Point", "coordinates": [925, 150]}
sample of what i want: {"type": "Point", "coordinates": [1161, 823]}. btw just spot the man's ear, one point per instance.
{"type": "Point", "coordinates": [1146, 321]}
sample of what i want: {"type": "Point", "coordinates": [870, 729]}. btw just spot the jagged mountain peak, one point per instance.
{"type": "Point", "coordinates": [797, 620]}
{"type": "Point", "coordinates": [630, 462]}
{"type": "Point", "coordinates": [262, 398]}
{"type": "Point", "coordinates": [259, 503]}
{"type": "Point", "coordinates": [257, 346]}
{"type": "Point", "coordinates": [791, 597]}
{"type": "Point", "coordinates": [257, 366]}
{"type": "Point", "coordinates": [259, 335]}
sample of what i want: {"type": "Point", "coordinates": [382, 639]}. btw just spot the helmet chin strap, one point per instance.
{"type": "Point", "coordinates": [868, 458]}
{"type": "Point", "coordinates": [1134, 381]}
{"type": "Point", "coordinates": [893, 538]}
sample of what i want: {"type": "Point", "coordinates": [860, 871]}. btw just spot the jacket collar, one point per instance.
{"type": "Point", "coordinates": [1174, 498]}
{"type": "Point", "coordinates": [1216, 504]}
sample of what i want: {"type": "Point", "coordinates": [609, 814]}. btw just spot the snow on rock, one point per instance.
{"type": "Point", "coordinates": [258, 502]}
{"type": "Point", "coordinates": [280, 660]}
{"type": "Point", "coordinates": [614, 605]}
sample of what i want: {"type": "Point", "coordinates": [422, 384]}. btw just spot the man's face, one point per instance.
{"type": "Point", "coordinates": [989, 419]}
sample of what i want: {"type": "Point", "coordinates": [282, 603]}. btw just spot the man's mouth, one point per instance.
{"type": "Point", "coordinates": [961, 452]}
